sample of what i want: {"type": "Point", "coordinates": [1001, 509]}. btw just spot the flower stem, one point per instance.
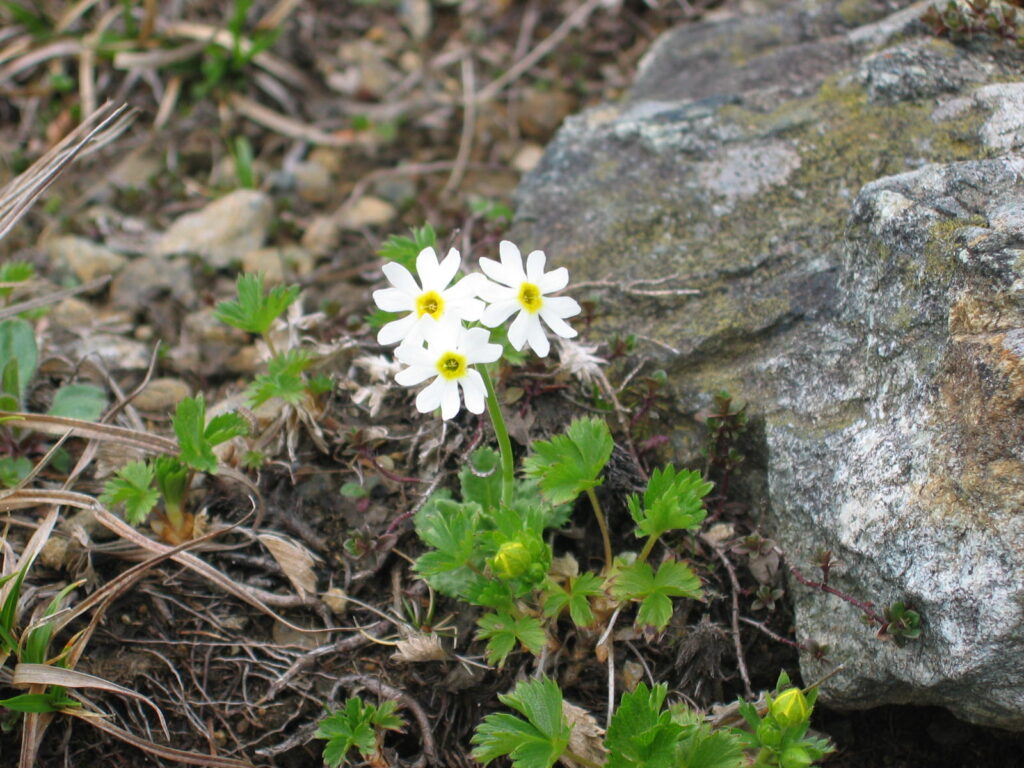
{"type": "Point", "coordinates": [501, 432]}
{"type": "Point", "coordinates": [603, 526]}
{"type": "Point", "coordinates": [648, 546]}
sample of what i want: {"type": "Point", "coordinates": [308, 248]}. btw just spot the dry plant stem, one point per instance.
{"type": "Point", "coordinates": [580, 759]}
{"type": "Point", "coordinates": [773, 635]}
{"type": "Point", "coordinates": [736, 639]}
{"type": "Point", "coordinates": [867, 608]}
{"type": "Point", "coordinates": [575, 19]}
{"type": "Point", "coordinates": [468, 127]}
{"type": "Point", "coordinates": [603, 525]}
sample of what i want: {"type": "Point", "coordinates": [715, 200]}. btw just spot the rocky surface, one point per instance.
{"type": "Point", "coordinates": [844, 190]}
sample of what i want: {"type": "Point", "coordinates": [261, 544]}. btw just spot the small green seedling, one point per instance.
{"type": "Point", "coordinates": [357, 726]}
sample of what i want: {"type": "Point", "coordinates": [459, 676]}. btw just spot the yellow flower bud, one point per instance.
{"type": "Point", "coordinates": [790, 708]}
{"type": "Point", "coordinates": [512, 560]}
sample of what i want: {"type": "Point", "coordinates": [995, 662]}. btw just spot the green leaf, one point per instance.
{"type": "Point", "coordinates": [189, 424]}
{"type": "Point", "coordinates": [19, 356]}
{"type": "Point", "coordinates": [37, 644]}
{"type": "Point", "coordinates": [451, 528]}
{"type": "Point", "coordinates": [172, 480]}
{"type": "Point", "coordinates": [79, 401]}
{"type": "Point", "coordinates": [225, 427]}
{"type": "Point", "coordinates": [502, 631]}
{"type": "Point", "coordinates": [480, 478]}
{"type": "Point", "coordinates": [641, 734]}
{"type": "Point", "coordinates": [702, 747]}
{"type": "Point", "coordinates": [255, 311]}
{"type": "Point", "coordinates": [15, 272]}
{"type": "Point", "coordinates": [14, 469]}
{"type": "Point", "coordinates": [37, 702]}
{"type": "Point", "coordinates": [132, 485]}
{"type": "Point", "coordinates": [536, 742]}
{"type": "Point", "coordinates": [570, 464]}
{"type": "Point", "coordinates": [284, 379]}
{"type": "Point", "coordinates": [672, 501]}
{"type": "Point", "coordinates": [354, 726]}
{"type": "Point", "coordinates": [404, 250]}
{"type": "Point", "coordinates": [576, 596]}
{"type": "Point", "coordinates": [639, 582]}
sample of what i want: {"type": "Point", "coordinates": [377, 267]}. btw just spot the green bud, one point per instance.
{"type": "Point", "coordinates": [795, 757]}
{"type": "Point", "coordinates": [512, 560]}
{"type": "Point", "coordinates": [790, 708]}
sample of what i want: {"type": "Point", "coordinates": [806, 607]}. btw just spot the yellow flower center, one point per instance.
{"type": "Point", "coordinates": [530, 298]}
{"type": "Point", "coordinates": [452, 365]}
{"type": "Point", "coordinates": [430, 303]}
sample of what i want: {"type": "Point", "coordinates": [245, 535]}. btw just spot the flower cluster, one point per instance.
{"type": "Point", "coordinates": [434, 338]}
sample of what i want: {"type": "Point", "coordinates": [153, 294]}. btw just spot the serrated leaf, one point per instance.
{"type": "Point", "coordinates": [502, 631]}
{"type": "Point", "coordinates": [346, 729]}
{"type": "Point", "coordinates": [639, 582]}
{"type": "Point", "coordinates": [480, 478]}
{"type": "Point", "coordinates": [641, 734]}
{"type": "Point", "coordinates": [189, 424]}
{"type": "Point", "coordinates": [570, 464]}
{"type": "Point", "coordinates": [575, 596]}
{"type": "Point", "coordinates": [255, 311]}
{"type": "Point", "coordinates": [404, 250]}
{"type": "Point", "coordinates": [132, 485]}
{"type": "Point", "coordinates": [672, 501]}
{"type": "Point", "coordinates": [536, 742]}
{"type": "Point", "coordinates": [451, 528]}
{"type": "Point", "coordinates": [284, 379]}
{"type": "Point", "coordinates": [19, 356]}
{"type": "Point", "coordinates": [79, 401]}
{"type": "Point", "coordinates": [225, 427]}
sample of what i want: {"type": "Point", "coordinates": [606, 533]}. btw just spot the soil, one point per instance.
{"type": "Point", "coordinates": [382, 85]}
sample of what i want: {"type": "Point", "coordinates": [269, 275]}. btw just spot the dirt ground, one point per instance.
{"type": "Point", "coordinates": [363, 120]}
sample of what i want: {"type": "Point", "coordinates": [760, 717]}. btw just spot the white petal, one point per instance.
{"type": "Point", "coordinates": [396, 330]}
{"type": "Point", "coordinates": [469, 310]}
{"type": "Point", "coordinates": [427, 269]}
{"type": "Point", "coordinates": [468, 287]}
{"type": "Point", "coordinates": [394, 300]}
{"type": "Point", "coordinates": [563, 306]}
{"type": "Point", "coordinates": [497, 272]}
{"type": "Point", "coordinates": [512, 261]}
{"type": "Point", "coordinates": [555, 280]}
{"type": "Point", "coordinates": [498, 313]}
{"type": "Point", "coordinates": [448, 269]}
{"type": "Point", "coordinates": [517, 332]}
{"type": "Point", "coordinates": [535, 267]}
{"type": "Point", "coordinates": [538, 338]}
{"type": "Point", "coordinates": [441, 335]}
{"type": "Point", "coordinates": [430, 397]}
{"type": "Point", "coordinates": [474, 391]}
{"type": "Point", "coordinates": [410, 377]}
{"type": "Point", "coordinates": [557, 324]}
{"type": "Point", "coordinates": [450, 402]}
{"type": "Point", "coordinates": [414, 354]}
{"type": "Point", "coordinates": [401, 278]}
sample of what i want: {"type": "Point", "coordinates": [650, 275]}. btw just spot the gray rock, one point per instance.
{"type": "Point", "coordinates": [847, 200]}
{"type": "Point", "coordinates": [88, 260]}
{"type": "Point", "coordinates": [223, 231]}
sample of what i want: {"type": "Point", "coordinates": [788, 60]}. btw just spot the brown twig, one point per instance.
{"type": "Point", "coordinates": [737, 641]}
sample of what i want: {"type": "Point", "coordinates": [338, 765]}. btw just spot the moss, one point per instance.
{"type": "Point", "coordinates": [940, 257]}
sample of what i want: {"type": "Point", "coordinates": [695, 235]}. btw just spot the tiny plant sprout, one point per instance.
{"type": "Point", "coordinates": [433, 300]}
{"type": "Point", "coordinates": [526, 292]}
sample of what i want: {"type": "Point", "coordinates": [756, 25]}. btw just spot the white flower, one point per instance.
{"type": "Point", "coordinates": [448, 356]}
{"type": "Point", "coordinates": [526, 291]}
{"type": "Point", "coordinates": [429, 302]}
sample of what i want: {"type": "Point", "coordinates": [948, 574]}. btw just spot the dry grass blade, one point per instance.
{"type": "Point", "coordinates": [287, 126]}
{"type": "Point", "coordinates": [11, 310]}
{"type": "Point", "coordinates": [46, 674]}
{"type": "Point", "coordinates": [23, 498]}
{"type": "Point", "coordinates": [61, 425]}
{"type": "Point", "coordinates": [32, 549]}
{"type": "Point", "coordinates": [242, 592]}
{"type": "Point", "coordinates": [152, 748]}
{"type": "Point", "coordinates": [97, 129]}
